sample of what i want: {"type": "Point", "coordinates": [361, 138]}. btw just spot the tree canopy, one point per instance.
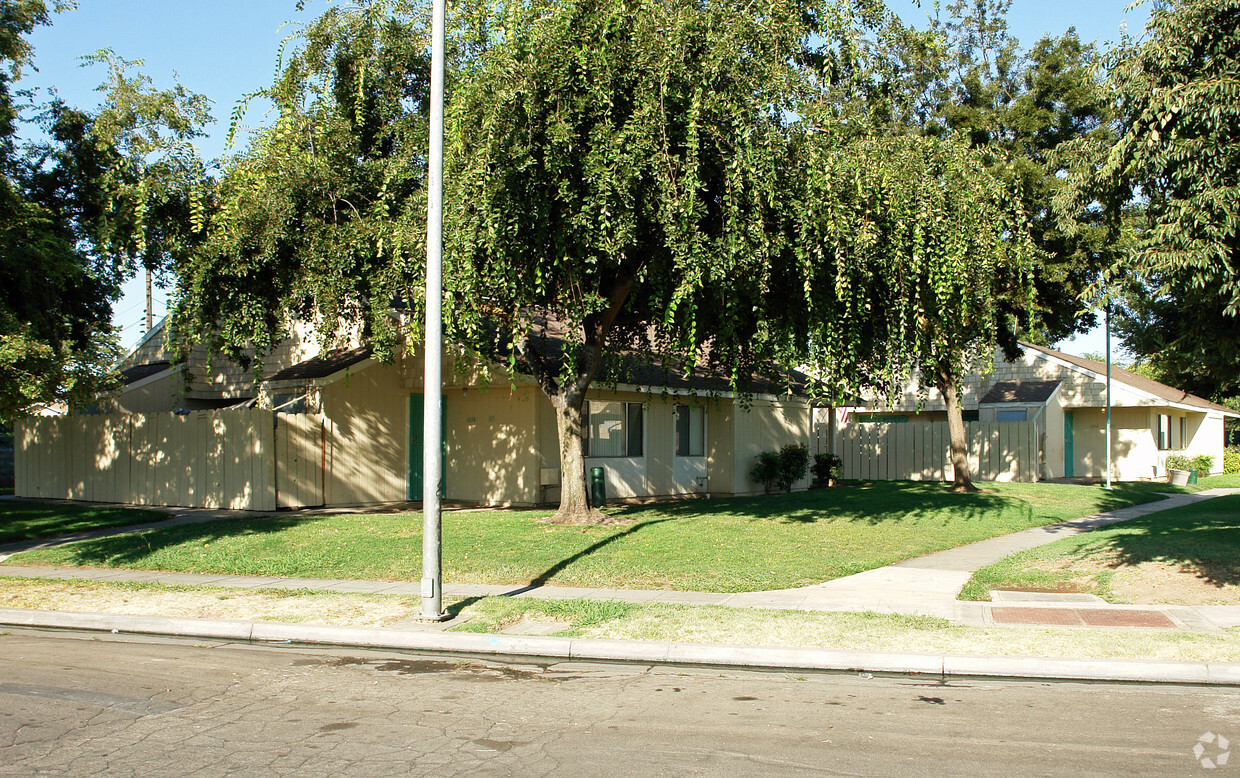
{"type": "Point", "coordinates": [1172, 183]}
{"type": "Point", "coordinates": [81, 208]}
{"type": "Point", "coordinates": [322, 218]}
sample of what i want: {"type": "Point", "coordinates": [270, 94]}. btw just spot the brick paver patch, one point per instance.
{"type": "Point", "coordinates": [1079, 617]}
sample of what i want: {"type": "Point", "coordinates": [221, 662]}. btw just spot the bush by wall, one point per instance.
{"type": "Point", "coordinates": [783, 468]}
{"type": "Point", "coordinates": [1231, 459]}
{"type": "Point", "coordinates": [1202, 463]}
{"type": "Point", "coordinates": [826, 468]}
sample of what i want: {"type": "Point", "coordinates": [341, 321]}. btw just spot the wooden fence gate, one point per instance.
{"type": "Point", "coordinates": [921, 451]}
{"type": "Point", "coordinates": [248, 459]}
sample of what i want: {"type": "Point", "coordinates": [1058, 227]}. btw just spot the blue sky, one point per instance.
{"type": "Point", "coordinates": [227, 48]}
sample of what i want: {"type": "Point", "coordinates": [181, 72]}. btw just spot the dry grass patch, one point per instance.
{"type": "Point", "coordinates": [845, 631]}
{"type": "Point", "coordinates": [1183, 556]}
{"type": "Point", "coordinates": [279, 605]}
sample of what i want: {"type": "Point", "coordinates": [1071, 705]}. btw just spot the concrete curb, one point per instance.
{"type": "Point", "coordinates": [583, 649]}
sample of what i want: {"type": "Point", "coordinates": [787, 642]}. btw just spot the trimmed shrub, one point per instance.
{"type": "Point", "coordinates": [1231, 459]}
{"type": "Point", "coordinates": [783, 468]}
{"type": "Point", "coordinates": [793, 465]}
{"type": "Point", "coordinates": [1202, 463]}
{"type": "Point", "coordinates": [765, 470]}
{"type": "Point", "coordinates": [826, 467]}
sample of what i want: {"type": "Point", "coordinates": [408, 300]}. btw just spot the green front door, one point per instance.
{"type": "Point", "coordinates": [413, 483]}
{"type": "Point", "coordinates": [1068, 454]}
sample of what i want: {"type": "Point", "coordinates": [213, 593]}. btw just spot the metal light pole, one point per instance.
{"type": "Point", "coordinates": [1108, 316]}
{"type": "Point", "coordinates": [432, 425]}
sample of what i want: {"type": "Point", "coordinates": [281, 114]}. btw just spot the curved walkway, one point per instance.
{"type": "Point", "coordinates": [926, 585]}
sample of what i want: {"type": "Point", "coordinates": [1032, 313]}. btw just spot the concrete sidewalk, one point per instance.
{"type": "Point", "coordinates": [926, 585]}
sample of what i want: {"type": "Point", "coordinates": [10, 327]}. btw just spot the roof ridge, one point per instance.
{"type": "Point", "coordinates": [1130, 378]}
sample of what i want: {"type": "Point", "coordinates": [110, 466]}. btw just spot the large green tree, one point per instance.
{"type": "Point", "coordinates": [80, 209]}
{"type": "Point", "coordinates": [618, 179]}
{"type": "Point", "coordinates": [912, 245]}
{"type": "Point", "coordinates": [965, 79]}
{"type": "Point", "coordinates": [613, 189]}
{"type": "Point", "coordinates": [321, 218]}
{"type": "Point", "coordinates": [1172, 182]}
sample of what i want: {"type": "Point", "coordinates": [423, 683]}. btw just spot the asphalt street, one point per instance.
{"type": "Point", "coordinates": [80, 705]}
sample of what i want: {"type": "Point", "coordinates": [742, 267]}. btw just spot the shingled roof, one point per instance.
{"type": "Point", "coordinates": [1020, 392]}
{"type": "Point", "coordinates": [135, 373]}
{"type": "Point", "coordinates": [1140, 383]}
{"type": "Point", "coordinates": [322, 366]}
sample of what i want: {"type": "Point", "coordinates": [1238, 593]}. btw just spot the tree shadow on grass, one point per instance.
{"type": "Point", "coordinates": [133, 549]}
{"type": "Point", "coordinates": [22, 520]}
{"type": "Point", "coordinates": [1202, 539]}
{"type": "Point", "coordinates": [877, 502]}
{"type": "Point", "coordinates": [542, 578]}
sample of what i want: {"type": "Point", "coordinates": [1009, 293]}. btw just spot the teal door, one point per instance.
{"type": "Point", "coordinates": [1069, 456]}
{"type": "Point", "coordinates": [413, 483]}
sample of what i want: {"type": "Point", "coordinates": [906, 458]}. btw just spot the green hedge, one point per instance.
{"type": "Point", "coordinates": [1202, 463]}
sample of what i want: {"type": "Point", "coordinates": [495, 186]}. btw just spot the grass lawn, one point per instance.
{"type": "Point", "coordinates": [723, 545]}
{"type": "Point", "coordinates": [1188, 555]}
{"type": "Point", "coordinates": [29, 520]}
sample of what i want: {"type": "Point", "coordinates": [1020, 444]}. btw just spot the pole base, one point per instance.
{"type": "Point", "coordinates": [425, 619]}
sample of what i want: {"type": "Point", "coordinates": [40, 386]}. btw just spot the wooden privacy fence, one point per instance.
{"type": "Point", "coordinates": [921, 451]}
{"type": "Point", "coordinates": [239, 459]}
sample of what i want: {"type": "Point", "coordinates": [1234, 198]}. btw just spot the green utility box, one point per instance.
{"type": "Point", "coordinates": [598, 488]}
{"type": "Point", "coordinates": [1192, 476]}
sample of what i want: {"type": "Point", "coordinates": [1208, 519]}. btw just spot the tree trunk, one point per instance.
{"type": "Point", "coordinates": [570, 413]}
{"type": "Point", "coordinates": [946, 384]}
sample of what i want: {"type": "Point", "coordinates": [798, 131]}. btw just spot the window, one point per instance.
{"type": "Point", "coordinates": [969, 416]}
{"type": "Point", "coordinates": [289, 403]}
{"type": "Point", "coordinates": [614, 430]}
{"type": "Point", "coordinates": [1183, 432]}
{"type": "Point", "coordinates": [690, 431]}
{"type": "Point", "coordinates": [881, 418]}
{"type": "Point", "coordinates": [1164, 432]}
{"type": "Point", "coordinates": [1011, 415]}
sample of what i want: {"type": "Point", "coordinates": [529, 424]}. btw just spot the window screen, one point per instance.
{"type": "Point", "coordinates": [690, 431]}
{"type": "Point", "coordinates": [614, 430]}
{"type": "Point", "coordinates": [1011, 415]}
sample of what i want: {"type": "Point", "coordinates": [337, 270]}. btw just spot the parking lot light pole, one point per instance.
{"type": "Point", "coordinates": [432, 424]}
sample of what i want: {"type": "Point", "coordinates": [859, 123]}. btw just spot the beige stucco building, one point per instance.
{"type": "Point", "coordinates": [653, 439]}
{"type": "Point", "coordinates": [1065, 397]}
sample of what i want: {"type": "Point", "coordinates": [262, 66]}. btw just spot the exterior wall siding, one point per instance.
{"type": "Point", "coordinates": [367, 437]}
{"type": "Point", "coordinates": [767, 426]}
{"type": "Point", "coordinates": [222, 459]}
{"type": "Point", "coordinates": [492, 449]}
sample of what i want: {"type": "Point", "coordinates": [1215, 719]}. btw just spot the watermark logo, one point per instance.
{"type": "Point", "coordinates": [1212, 750]}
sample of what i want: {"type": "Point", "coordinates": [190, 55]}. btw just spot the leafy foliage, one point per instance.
{"type": "Point", "coordinates": [793, 465]}
{"type": "Point", "coordinates": [322, 217]}
{"type": "Point", "coordinates": [967, 77]}
{"type": "Point", "coordinates": [765, 470]}
{"type": "Point", "coordinates": [1178, 163]}
{"type": "Point", "coordinates": [1202, 463]}
{"type": "Point", "coordinates": [80, 210]}
{"type": "Point", "coordinates": [826, 468]}
{"type": "Point", "coordinates": [912, 241]}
